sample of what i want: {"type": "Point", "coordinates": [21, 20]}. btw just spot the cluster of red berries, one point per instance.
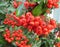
{"type": "Point", "coordinates": [57, 44]}
{"type": "Point", "coordinates": [23, 44]}
{"type": "Point", "coordinates": [10, 22]}
{"type": "Point", "coordinates": [16, 36]}
{"type": "Point", "coordinates": [35, 24]}
{"type": "Point", "coordinates": [7, 36]}
{"type": "Point", "coordinates": [16, 4]}
{"type": "Point", "coordinates": [28, 4]}
{"type": "Point", "coordinates": [52, 3]}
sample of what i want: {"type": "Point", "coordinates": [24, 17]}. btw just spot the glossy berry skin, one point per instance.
{"type": "Point", "coordinates": [37, 24]}
{"type": "Point", "coordinates": [16, 36]}
{"type": "Point", "coordinates": [15, 4]}
{"type": "Point", "coordinates": [52, 3]}
{"type": "Point", "coordinates": [50, 27]}
{"type": "Point", "coordinates": [26, 4]}
{"type": "Point", "coordinates": [49, 6]}
{"type": "Point", "coordinates": [53, 22]}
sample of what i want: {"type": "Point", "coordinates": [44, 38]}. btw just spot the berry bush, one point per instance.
{"type": "Point", "coordinates": [24, 23]}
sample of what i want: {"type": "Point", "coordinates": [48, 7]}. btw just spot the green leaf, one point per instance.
{"type": "Point", "coordinates": [58, 38]}
{"type": "Point", "coordinates": [20, 10]}
{"type": "Point", "coordinates": [1, 30]}
{"type": "Point", "coordinates": [3, 4]}
{"type": "Point", "coordinates": [10, 9]}
{"type": "Point", "coordinates": [34, 0]}
{"type": "Point", "coordinates": [37, 10]}
{"type": "Point", "coordinates": [10, 28]}
{"type": "Point", "coordinates": [38, 0]}
{"type": "Point", "coordinates": [47, 42]}
{"type": "Point", "coordinates": [1, 11]}
{"type": "Point", "coordinates": [1, 26]}
{"type": "Point", "coordinates": [22, 0]}
{"type": "Point", "coordinates": [40, 9]}
{"type": "Point", "coordinates": [37, 44]}
{"type": "Point", "coordinates": [2, 41]}
{"type": "Point", "coordinates": [2, 16]}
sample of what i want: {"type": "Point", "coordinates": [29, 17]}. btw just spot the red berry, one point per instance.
{"type": "Point", "coordinates": [9, 40]}
{"type": "Point", "coordinates": [49, 6]}
{"type": "Point", "coordinates": [31, 23]}
{"type": "Point", "coordinates": [50, 27]}
{"type": "Point", "coordinates": [15, 4]}
{"type": "Point", "coordinates": [17, 43]}
{"type": "Point", "coordinates": [26, 4]}
{"type": "Point", "coordinates": [56, 5]}
{"type": "Point", "coordinates": [45, 31]}
{"type": "Point", "coordinates": [12, 38]}
{"type": "Point", "coordinates": [36, 23]}
{"type": "Point", "coordinates": [52, 22]}
{"type": "Point", "coordinates": [50, 2]}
